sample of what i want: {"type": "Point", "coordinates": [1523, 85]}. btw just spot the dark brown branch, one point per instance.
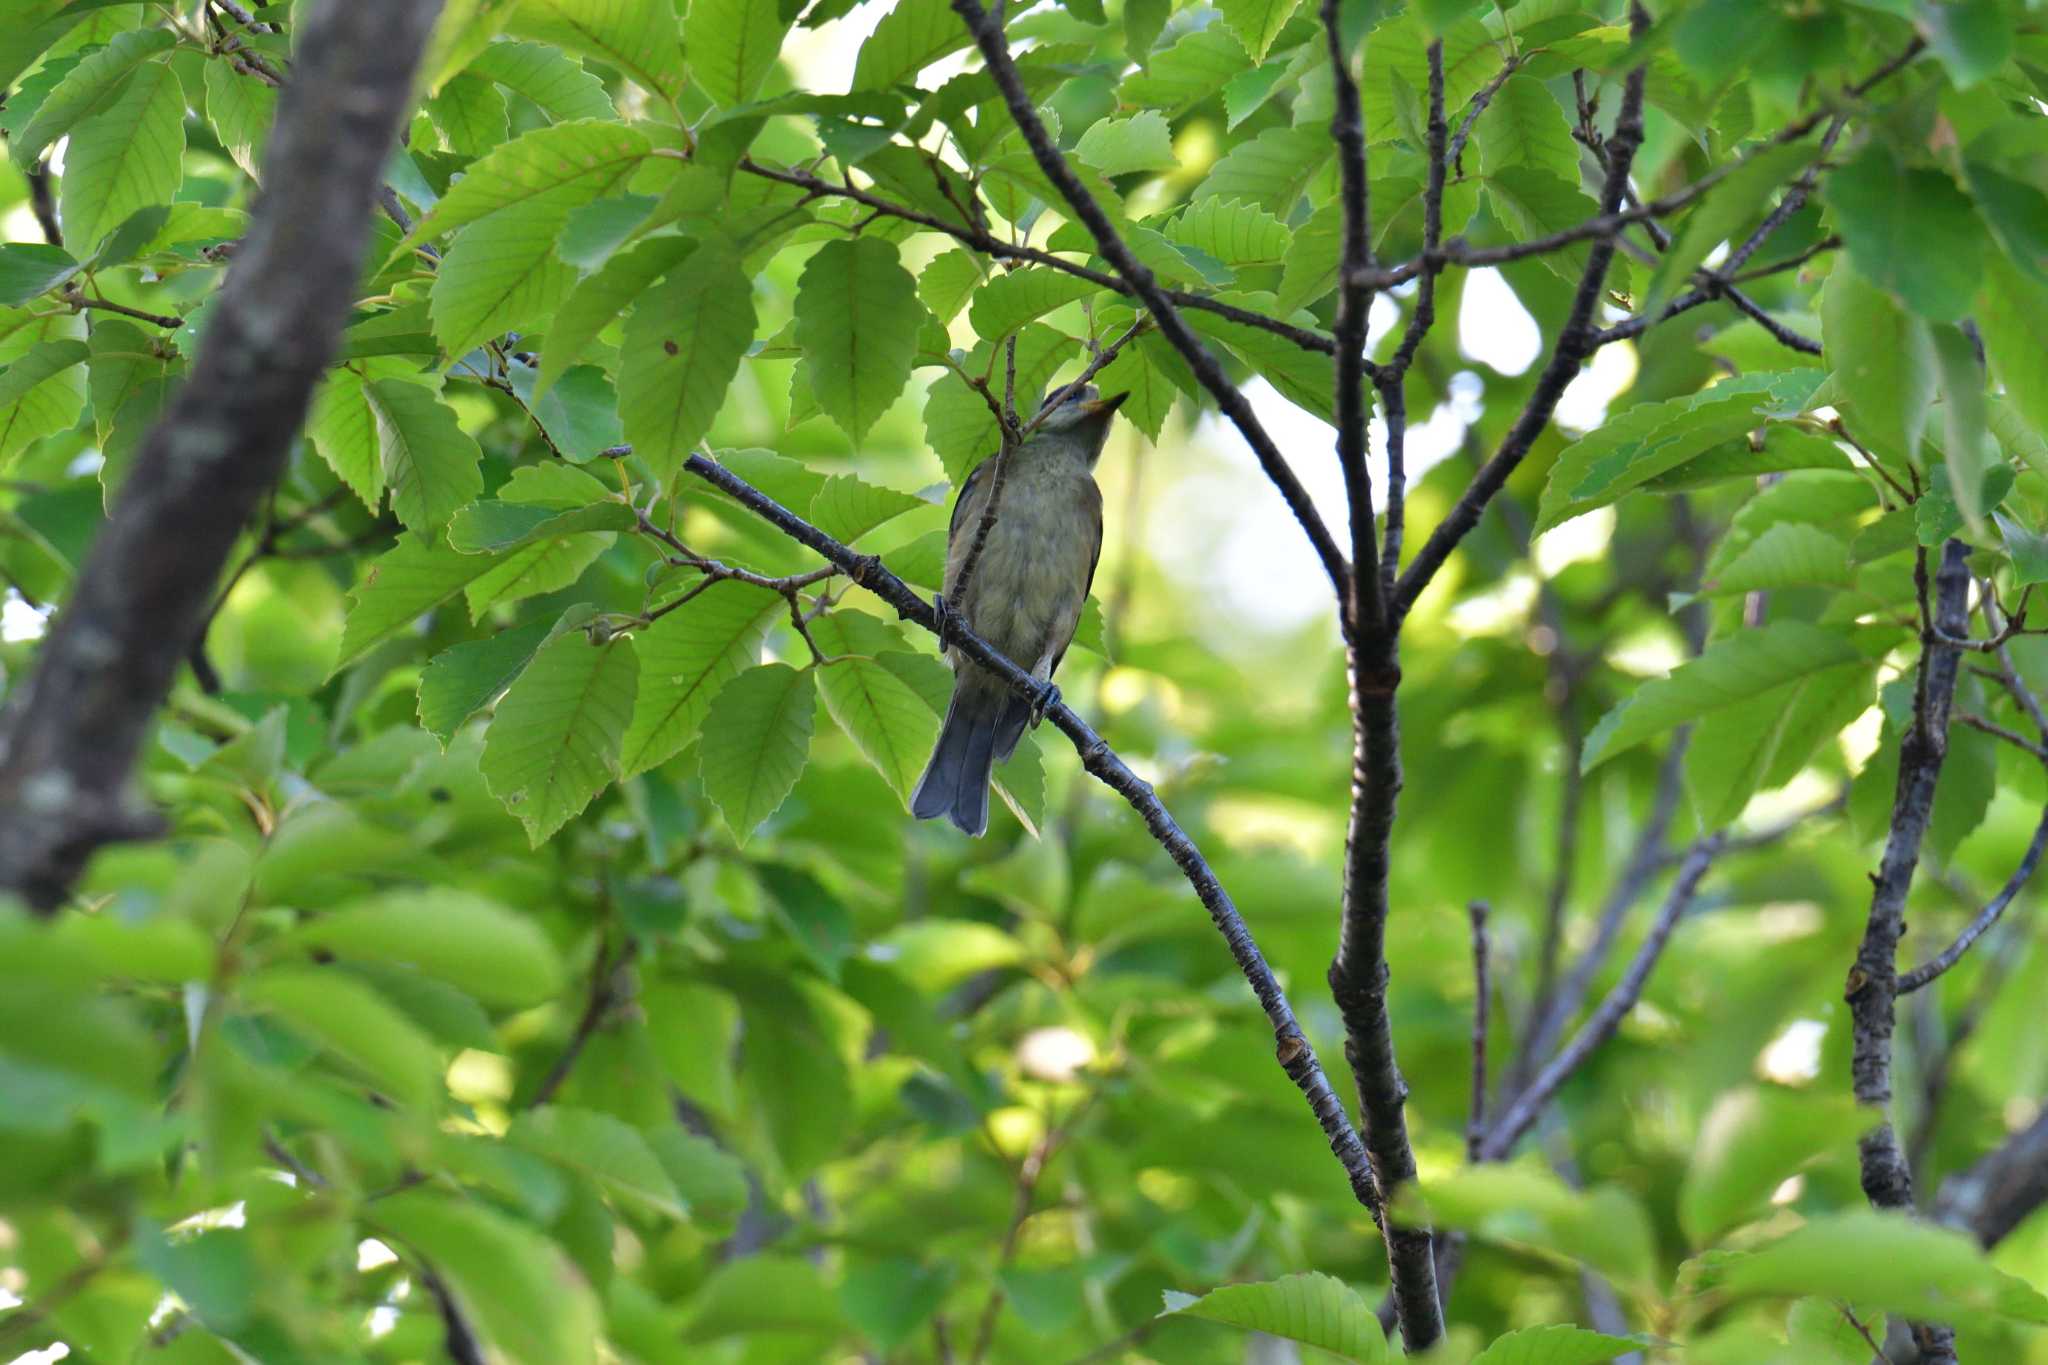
{"type": "Point", "coordinates": [75, 726]}
{"type": "Point", "coordinates": [1454, 154]}
{"type": "Point", "coordinates": [999, 476]}
{"type": "Point", "coordinates": [989, 244]}
{"type": "Point", "coordinates": [1529, 1105]}
{"type": "Point", "coordinates": [1475, 1113]}
{"type": "Point", "coordinates": [1358, 971]}
{"type": "Point", "coordinates": [1291, 1048]}
{"type": "Point", "coordinates": [44, 204]}
{"type": "Point", "coordinates": [1873, 983]}
{"type": "Point", "coordinates": [995, 53]}
{"type": "Point", "coordinates": [1574, 344]}
{"type": "Point", "coordinates": [78, 299]}
{"type": "Point", "coordinates": [2002, 1190]}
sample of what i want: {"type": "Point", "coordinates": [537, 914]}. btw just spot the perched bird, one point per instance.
{"type": "Point", "coordinates": [1023, 597]}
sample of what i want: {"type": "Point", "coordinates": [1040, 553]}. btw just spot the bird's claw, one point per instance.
{"type": "Point", "coordinates": [1047, 698]}
{"type": "Point", "coordinates": [944, 621]}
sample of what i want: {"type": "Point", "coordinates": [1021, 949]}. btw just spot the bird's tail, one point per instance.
{"type": "Point", "coordinates": [955, 782]}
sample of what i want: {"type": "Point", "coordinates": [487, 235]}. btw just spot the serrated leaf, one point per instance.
{"type": "Point", "coordinates": [1118, 146]}
{"type": "Point", "coordinates": [416, 575]}
{"type": "Point", "coordinates": [1557, 1344]}
{"type": "Point", "coordinates": [343, 426]}
{"type": "Point", "coordinates": [1273, 169]}
{"type": "Point", "coordinates": [430, 463]}
{"type": "Point", "coordinates": [1233, 231]}
{"type": "Point", "coordinates": [129, 156]}
{"type": "Point", "coordinates": [757, 738]}
{"type": "Point", "coordinates": [28, 269]}
{"type": "Point", "coordinates": [946, 283]}
{"type": "Point", "coordinates": [1397, 53]}
{"type": "Point", "coordinates": [86, 88]}
{"type": "Point", "coordinates": [1524, 125]}
{"type": "Point", "coordinates": [241, 110]}
{"type": "Point", "coordinates": [884, 717]}
{"type": "Point", "coordinates": [686, 658]}
{"type": "Point", "coordinates": [1790, 554]}
{"type": "Point", "coordinates": [1247, 92]}
{"type": "Point", "coordinates": [122, 364]}
{"type": "Point", "coordinates": [684, 343]}
{"type": "Point", "coordinates": [1313, 1309]}
{"type": "Point", "coordinates": [554, 740]}
{"type": "Point", "coordinates": [1535, 203]}
{"type": "Point", "coordinates": [1011, 300]}
{"type": "Point", "coordinates": [1257, 22]}
{"type": "Point", "coordinates": [514, 1286]}
{"type": "Point", "coordinates": [733, 45]}
{"type": "Point", "coordinates": [1136, 371]}
{"type": "Point", "coordinates": [909, 38]}
{"type": "Point", "coordinates": [857, 318]}
{"type": "Point", "coordinates": [1196, 66]}
{"type": "Point", "coordinates": [957, 422]}
{"type": "Point", "coordinates": [1909, 230]}
{"type": "Point", "coordinates": [848, 507]}
{"type": "Point", "coordinates": [1652, 439]}
{"type": "Point", "coordinates": [470, 114]}
{"type": "Point", "coordinates": [500, 275]}
{"type": "Point", "coordinates": [1731, 671]}
{"type": "Point", "coordinates": [558, 84]}
{"type": "Point", "coordinates": [40, 393]}
{"type": "Point", "coordinates": [460, 681]}
{"type": "Point", "coordinates": [639, 37]}
{"type": "Point", "coordinates": [599, 298]}
{"type": "Point", "coordinates": [466, 940]}
{"type": "Point", "coordinates": [353, 1022]}
{"type": "Point", "coordinates": [604, 1149]}
{"type": "Point", "coordinates": [492, 526]}
{"type": "Point", "coordinates": [1884, 364]}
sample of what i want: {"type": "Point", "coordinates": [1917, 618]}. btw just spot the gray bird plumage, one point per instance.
{"type": "Point", "coordinates": [1024, 597]}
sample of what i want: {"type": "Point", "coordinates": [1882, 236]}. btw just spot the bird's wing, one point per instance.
{"type": "Point", "coordinates": [1093, 502]}
{"type": "Point", "coordinates": [971, 491]}
{"type": "Point", "coordinates": [966, 513]}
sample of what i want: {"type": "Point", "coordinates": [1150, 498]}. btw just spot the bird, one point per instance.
{"type": "Point", "coordinates": [1023, 597]}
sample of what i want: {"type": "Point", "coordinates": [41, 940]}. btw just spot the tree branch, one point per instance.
{"type": "Point", "coordinates": [2002, 1190]}
{"type": "Point", "coordinates": [995, 53]}
{"type": "Point", "coordinates": [1528, 1106]}
{"type": "Point", "coordinates": [1296, 1057]}
{"type": "Point", "coordinates": [1475, 1113]}
{"type": "Point", "coordinates": [77, 723]}
{"type": "Point", "coordinates": [1873, 980]}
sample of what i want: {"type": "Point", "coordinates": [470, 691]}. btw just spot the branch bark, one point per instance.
{"type": "Point", "coordinates": [2002, 1190]}
{"type": "Point", "coordinates": [1873, 983]}
{"type": "Point", "coordinates": [76, 725]}
{"type": "Point", "coordinates": [1291, 1048]}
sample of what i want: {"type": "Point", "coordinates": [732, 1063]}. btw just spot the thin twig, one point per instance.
{"type": "Point", "coordinates": [1006, 424]}
{"type": "Point", "coordinates": [597, 1007]}
{"type": "Point", "coordinates": [1475, 1114]}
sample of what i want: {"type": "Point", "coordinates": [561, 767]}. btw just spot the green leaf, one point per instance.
{"type": "Point", "coordinates": [886, 720]}
{"type": "Point", "coordinates": [1752, 1141]}
{"type": "Point", "coordinates": [1008, 301]}
{"type": "Point", "coordinates": [1886, 1261]}
{"type": "Point", "coordinates": [40, 394]}
{"type": "Point", "coordinates": [684, 343]}
{"type": "Point", "coordinates": [559, 85]}
{"type": "Point", "coordinates": [1118, 146]}
{"type": "Point", "coordinates": [1973, 456]}
{"type": "Point", "coordinates": [1972, 38]}
{"type": "Point", "coordinates": [429, 461]}
{"type": "Point", "coordinates": [857, 318]}
{"type": "Point", "coordinates": [1397, 54]}
{"type": "Point", "coordinates": [947, 282]}
{"type": "Point", "coordinates": [127, 157]}
{"type": "Point", "coordinates": [1535, 203]}
{"type": "Point", "coordinates": [639, 37]}
{"type": "Point", "coordinates": [1884, 363]}
{"type": "Point", "coordinates": [1144, 21]}
{"type": "Point", "coordinates": [473, 944]}
{"type": "Point", "coordinates": [1652, 439]}
{"type": "Point", "coordinates": [606, 1150]}
{"type": "Point", "coordinates": [28, 269]}
{"type": "Point", "coordinates": [1908, 230]}
{"type": "Point", "coordinates": [241, 110]}
{"type": "Point", "coordinates": [732, 46]}
{"type": "Point", "coordinates": [712, 1182]}
{"type": "Point", "coordinates": [601, 297]}
{"type": "Point", "coordinates": [2015, 328]}
{"type": "Point", "coordinates": [354, 1023]}
{"type": "Point", "coordinates": [757, 738]}
{"type": "Point", "coordinates": [459, 682]}
{"type": "Point", "coordinates": [848, 507]}
{"type": "Point", "coordinates": [1524, 125]}
{"type": "Point", "coordinates": [1196, 66]}
{"type": "Point", "coordinates": [500, 275]}
{"type": "Point", "coordinates": [686, 658]}
{"type": "Point", "coordinates": [514, 1286]}
{"type": "Point", "coordinates": [1790, 554]}
{"type": "Point", "coordinates": [1313, 1309]}
{"type": "Point", "coordinates": [1524, 1204]}
{"type": "Point", "coordinates": [94, 84]}
{"type": "Point", "coordinates": [909, 38]}
{"type": "Point", "coordinates": [957, 422]}
{"type": "Point", "coordinates": [493, 526]}
{"type": "Point", "coordinates": [471, 115]}
{"type": "Point", "coordinates": [2028, 550]}
{"type": "Point", "coordinates": [1257, 22]}
{"type": "Point", "coordinates": [1765, 744]}
{"type": "Point", "coordinates": [1272, 170]}
{"type": "Point", "coordinates": [554, 739]}
{"type": "Point", "coordinates": [1247, 92]}
{"type": "Point", "coordinates": [1722, 215]}
{"type": "Point", "coordinates": [1234, 232]}
{"type": "Point", "coordinates": [1557, 1344]}
{"type": "Point", "coordinates": [1731, 671]}
{"type": "Point", "coordinates": [416, 575]}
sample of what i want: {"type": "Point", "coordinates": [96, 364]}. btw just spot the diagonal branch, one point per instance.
{"type": "Point", "coordinates": [1291, 1047]}
{"type": "Point", "coordinates": [1574, 344]}
{"type": "Point", "coordinates": [75, 726]}
{"type": "Point", "coordinates": [995, 53]}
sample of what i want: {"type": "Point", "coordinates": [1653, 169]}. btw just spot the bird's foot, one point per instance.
{"type": "Point", "coordinates": [1047, 698]}
{"type": "Point", "coordinates": [945, 621]}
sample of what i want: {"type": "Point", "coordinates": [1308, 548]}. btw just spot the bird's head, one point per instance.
{"type": "Point", "coordinates": [1083, 416]}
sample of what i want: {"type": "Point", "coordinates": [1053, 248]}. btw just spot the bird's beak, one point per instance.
{"type": "Point", "coordinates": [1103, 407]}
